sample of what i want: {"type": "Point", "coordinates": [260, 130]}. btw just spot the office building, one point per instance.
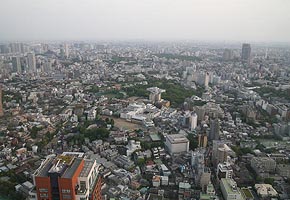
{"type": "Point", "coordinates": [206, 80]}
{"type": "Point", "coordinates": [1, 106]}
{"type": "Point", "coordinates": [228, 55]}
{"type": "Point", "coordinates": [220, 152]}
{"type": "Point", "coordinates": [230, 189]}
{"type": "Point", "coordinates": [224, 170]}
{"type": "Point", "coordinates": [214, 133]}
{"type": "Point", "coordinates": [205, 179]}
{"type": "Point", "coordinates": [177, 143]}
{"type": "Point", "coordinates": [68, 176]}
{"type": "Point", "coordinates": [31, 62]}
{"type": "Point", "coordinates": [66, 50]}
{"type": "Point", "coordinates": [246, 52]}
{"type": "Point", "coordinates": [193, 121]}
{"type": "Point", "coordinates": [155, 94]}
{"type": "Point", "coordinates": [202, 140]}
{"type": "Point", "coordinates": [16, 64]}
{"type": "Point", "coordinates": [263, 165]}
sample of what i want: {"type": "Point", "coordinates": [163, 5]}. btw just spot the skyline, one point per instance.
{"type": "Point", "coordinates": [225, 20]}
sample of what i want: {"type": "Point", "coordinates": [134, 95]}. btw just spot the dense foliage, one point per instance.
{"type": "Point", "coordinates": [175, 93]}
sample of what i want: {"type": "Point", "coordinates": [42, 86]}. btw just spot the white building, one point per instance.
{"type": "Point", "coordinates": [156, 180]}
{"type": "Point", "coordinates": [193, 121]}
{"type": "Point", "coordinates": [87, 178]}
{"type": "Point", "coordinates": [164, 180]}
{"type": "Point", "coordinates": [92, 115]}
{"type": "Point", "coordinates": [177, 143]}
{"type": "Point", "coordinates": [133, 146]}
{"type": "Point", "coordinates": [224, 170]}
{"type": "Point", "coordinates": [74, 118]}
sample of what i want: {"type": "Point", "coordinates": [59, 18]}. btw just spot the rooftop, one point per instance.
{"type": "Point", "coordinates": [177, 138]}
{"type": "Point", "coordinates": [230, 186]}
{"type": "Point", "coordinates": [87, 168]}
{"type": "Point", "coordinates": [247, 193]}
{"type": "Point", "coordinates": [71, 170]}
{"type": "Point", "coordinates": [155, 137]}
{"type": "Point", "coordinates": [44, 168]}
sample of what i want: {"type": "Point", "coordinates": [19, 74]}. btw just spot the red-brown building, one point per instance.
{"type": "Point", "coordinates": [68, 176]}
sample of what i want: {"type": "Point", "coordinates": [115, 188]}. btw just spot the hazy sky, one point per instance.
{"type": "Point", "coordinates": [225, 20]}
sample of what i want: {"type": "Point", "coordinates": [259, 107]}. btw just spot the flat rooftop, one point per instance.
{"type": "Point", "coordinates": [87, 168]}
{"type": "Point", "coordinates": [45, 167]}
{"type": "Point", "coordinates": [155, 137]}
{"type": "Point", "coordinates": [70, 171]}
{"type": "Point", "coordinates": [230, 186]}
{"type": "Point", "coordinates": [177, 138]}
{"type": "Point", "coordinates": [247, 193]}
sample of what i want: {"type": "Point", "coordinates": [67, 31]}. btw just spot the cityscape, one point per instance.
{"type": "Point", "coordinates": [130, 119]}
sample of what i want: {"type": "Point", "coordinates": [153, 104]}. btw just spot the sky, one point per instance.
{"type": "Point", "coordinates": [214, 20]}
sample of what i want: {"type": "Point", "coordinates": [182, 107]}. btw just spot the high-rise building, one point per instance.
{"type": "Point", "coordinates": [155, 94]}
{"type": "Point", "coordinates": [228, 55]}
{"type": "Point", "coordinates": [66, 50]}
{"type": "Point", "coordinates": [214, 133]}
{"type": "Point", "coordinates": [246, 52]}
{"type": "Point", "coordinates": [1, 106]}
{"type": "Point", "coordinates": [206, 80]}
{"type": "Point", "coordinates": [68, 176]}
{"type": "Point", "coordinates": [224, 170]}
{"type": "Point", "coordinates": [220, 152]}
{"type": "Point", "coordinates": [16, 64]}
{"type": "Point", "coordinates": [193, 121]}
{"type": "Point", "coordinates": [31, 62]}
{"type": "Point", "coordinates": [202, 140]}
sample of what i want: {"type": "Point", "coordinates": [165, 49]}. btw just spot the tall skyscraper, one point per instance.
{"type": "Point", "coordinates": [68, 176]}
{"type": "Point", "coordinates": [228, 55]}
{"type": "Point", "coordinates": [202, 140]}
{"type": "Point", "coordinates": [1, 106]}
{"type": "Point", "coordinates": [16, 64]}
{"type": "Point", "coordinates": [66, 50]}
{"type": "Point", "coordinates": [214, 133]}
{"type": "Point", "coordinates": [246, 52]}
{"type": "Point", "coordinates": [193, 121]}
{"type": "Point", "coordinates": [31, 62]}
{"type": "Point", "coordinates": [206, 80]}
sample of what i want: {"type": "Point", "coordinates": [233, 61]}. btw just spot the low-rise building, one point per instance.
{"type": "Point", "coordinates": [177, 143]}
{"type": "Point", "coordinates": [265, 190]}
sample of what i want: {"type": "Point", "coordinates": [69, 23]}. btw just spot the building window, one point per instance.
{"type": "Point", "coordinates": [83, 184]}
{"type": "Point", "coordinates": [65, 191]}
{"type": "Point", "coordinates": [66, 196]}
{"type": "Point", "coordinates": [43, 195]}
{"type": "Point", "coordinates": [43, 190]}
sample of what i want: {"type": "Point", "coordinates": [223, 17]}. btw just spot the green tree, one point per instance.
{"type": "Point", "coordinates": [269, 181]}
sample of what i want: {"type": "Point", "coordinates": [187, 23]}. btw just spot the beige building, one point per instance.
{"type": "Point", "coordinates": [265, 190]}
